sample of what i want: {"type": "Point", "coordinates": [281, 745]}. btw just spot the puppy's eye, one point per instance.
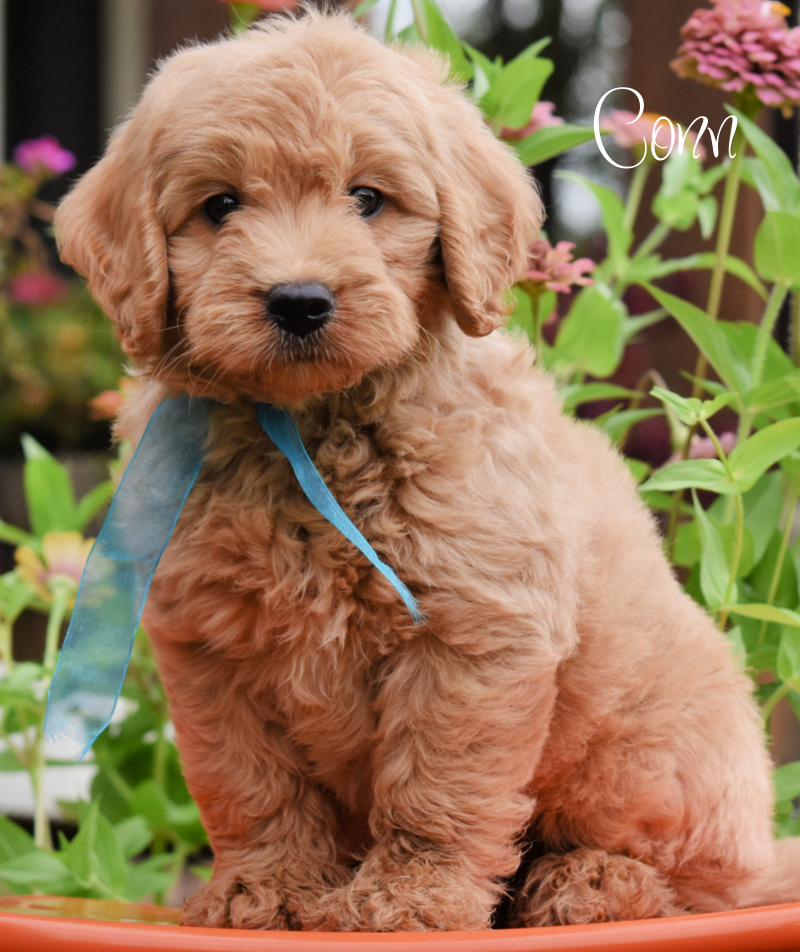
{"type": "Point", "coordinates": [368, 200]}
{"type": "Point", "coordinates": [219, 206]}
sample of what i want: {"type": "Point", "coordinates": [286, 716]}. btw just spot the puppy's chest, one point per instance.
{"type": "Point", "coordinates": [280, 571]}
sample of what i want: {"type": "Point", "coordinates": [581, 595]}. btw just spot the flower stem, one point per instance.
{"type": "Point", "coordinates": [41, 822]}
{"type": "Point", "coordinates": [389, 34]}
{"type": "Point", "coordinates": [635, 193]}
{"type": "Point", "coordinates": [791, 511]}
{"type": "Point", "coordinates": [776, 298]}
{"type": "Point", "coordinates": [727, 214]}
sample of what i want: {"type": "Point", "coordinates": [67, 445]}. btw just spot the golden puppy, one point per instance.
{"type": "Point", "coordinates": [303, 217]}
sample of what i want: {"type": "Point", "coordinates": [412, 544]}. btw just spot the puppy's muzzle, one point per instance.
{"type": "Point", "coordinates": [299, 309]}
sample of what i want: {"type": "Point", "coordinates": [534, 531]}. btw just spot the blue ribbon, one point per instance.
{"type": "Point", "coordinates": [281, 429]}
{"type": "Point", "coordinates": [120, 568]}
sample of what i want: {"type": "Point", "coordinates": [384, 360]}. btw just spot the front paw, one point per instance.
{"type": "Point", "coordinates": [404, 897]}
{"type": "Point", "coordinates": [238, 901]}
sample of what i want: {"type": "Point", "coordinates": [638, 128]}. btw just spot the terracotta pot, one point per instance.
{"type": "Point", "coordinates": [51, 924]}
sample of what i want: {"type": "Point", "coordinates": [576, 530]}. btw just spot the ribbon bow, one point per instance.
{"type": "Point", "coordinates": [140, 521]}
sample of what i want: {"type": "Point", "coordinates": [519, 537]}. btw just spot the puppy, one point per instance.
{"type": "Point", "coordinates": [303, 217]}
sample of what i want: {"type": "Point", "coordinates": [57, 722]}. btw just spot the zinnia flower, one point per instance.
{"type": "Point", "coordinates": [36, 286]}
{"type": "Point", "coordinates": [45, 155]}
{"type": "Point", "coordinates": [555, 269]}
{"type": "Point", "coordinates": [65, 555]}
{"type": "Point", "coordinates": [743, 43]}
{"type": "Point", "coordinates": [702, 447]}
{"type": "Point", "coordinates": [541, 117]}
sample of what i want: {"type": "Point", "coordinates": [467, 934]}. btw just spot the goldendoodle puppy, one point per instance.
{"type": "Point", "coordinates": [303, 217]}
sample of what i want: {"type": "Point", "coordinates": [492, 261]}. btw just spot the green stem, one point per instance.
{"type": "Point", "coordinates": [653, 240]}
{"type": "Point", "coordinates": [420, 21]}
{"type": "Point", "coordinates": [773, 308]}
{"type": "Point", "coordinates": [389, 34]}
{"type": "Point", "coordinates": [772, 702]}
{"type": "Point", "coordinates": [727, 214]}
{"type": "Point", "coordinates": [635, 193]}
{"type": "Point", "coordinates": [5, 645]}
{"type": "Point", "coordinates": [794, 330]}
{"type": "Point", "coordinates": [41, 823]}
{"type": "Point", "coordinates": [791, 510]}
{"type": "Point", "coordinates": [738, 543]}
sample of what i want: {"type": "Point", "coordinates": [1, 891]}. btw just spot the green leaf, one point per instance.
{"type": "Point", "coordinates": [549, 142]}
{"type": "Point", "coordinates": [774, 176]}
{"type": "Point", "coordinates": [590, 336]}
{"type": "Point", "coordinates": [763, 506]}
{"type": "Point", "coordinates": [787, 667]}
{"type": "Point", "coordinates": [574, 395]}
{"type": "Point", "coordinates": [771, 613]}
{"type": "Point", "coordinates": [616, 423]}
{"type": "Point", "coordinates": [707, 474]}
{"type": "Point", "coordinates": [14, 536]}
{"type": "Point", "coordinates": [705, 261]}
{"type": "Point", "coordinates": [690, 410]}
{"type": "Point", "coordinates": [612, 210]}
{"type": "Point", "coordinates": [93, 502]}
{"type": "Point", "coordinates": [37, 870]}
{"type": "Point", "coordinates": [14, 841]}
{"type": "Point", "coordinates": [515, 90]}
{"type": "Point", "coordinates": [48, 491]}
{"type": "Point", "coordinates": [22, 683]}
{"type": "Point", "coordinates": [95, 856]}
{"type": "Point", "coordinates": [133, 836]}
{"type": "Point", "coordinates": [786, 781]}
{"type": "Point", "coordinates": [763, 449]}
{"type": "Point", "coordinates": [772, 394]}
{"type": "Point", "coordinates": [707, 216]}
{"type": "Point", "coordinates": [708, 337]}
{"type": "Point", "coordinates": [15, 596]}
{"type": "Point", "coordinates": [714, 571]}
{"type": "Point", "coordinates": [777, 249]}
{"type": "Point", "coordinates": [442, 38]}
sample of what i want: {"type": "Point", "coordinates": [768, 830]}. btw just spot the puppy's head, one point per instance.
{"type": "Point", "coordinates": [283, 210]}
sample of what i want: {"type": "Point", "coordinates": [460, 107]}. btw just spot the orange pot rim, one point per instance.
{"type": "Point", "coordinates": [53, 924]}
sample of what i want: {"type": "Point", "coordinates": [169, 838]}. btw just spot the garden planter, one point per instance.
{"type": "Point", "coordinates": [51, 924]}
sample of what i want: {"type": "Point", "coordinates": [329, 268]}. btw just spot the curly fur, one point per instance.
{"type": "Point", "coordinates": [354, 773]}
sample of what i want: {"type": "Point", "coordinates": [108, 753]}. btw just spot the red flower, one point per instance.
{"type": "Point", "coordinates": [743, 43]}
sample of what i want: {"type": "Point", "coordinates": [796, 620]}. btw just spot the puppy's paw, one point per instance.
{"type": "Point", "coordinates": [407, 897]}
{"type": "Point", "coordinates": [232, 900]}
{"type": "Point", "coordinates": [589, 885]}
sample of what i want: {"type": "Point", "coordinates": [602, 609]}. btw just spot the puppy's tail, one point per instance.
{"type": "Point", "coordinates": [781, 882]}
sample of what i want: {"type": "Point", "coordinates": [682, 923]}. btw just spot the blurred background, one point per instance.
{"type": "Point", "coordinates": [72, 69]}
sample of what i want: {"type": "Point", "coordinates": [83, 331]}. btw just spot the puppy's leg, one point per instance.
{"type": "Point", "coordinates": [271, 829]}
{"type": "Point", "coordinates": [459, 737]}
{"type": "Point", "coordinates": [590, 885]}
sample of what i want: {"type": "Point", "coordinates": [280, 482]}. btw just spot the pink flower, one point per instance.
{"type": "Point", "coordinates": [702, 447]}
{"type": "Point", "coordinates": [45, 155]}
{"type": "Point", "coordinates": [630, 132]}
{"type": "Point", "coordinates": [541, 117]}
{"type": "Point", "coordinates": [743, 43]}
{"type": "Point", "coordinates": [36, 286]}
{"type": "Point", "coordinates": [554, 268]}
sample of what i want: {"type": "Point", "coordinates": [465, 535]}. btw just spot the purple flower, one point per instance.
{"type": "Point", "coordinates": [45, 155]}
{"type": "Point", "coordinates": [743, 43]}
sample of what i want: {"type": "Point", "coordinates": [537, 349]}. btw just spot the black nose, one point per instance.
{"type": "Point", "coordinates": [300, 309]}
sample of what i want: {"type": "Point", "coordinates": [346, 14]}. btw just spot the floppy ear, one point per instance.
{"type": "Point", "coordinates": [108, 229]}
{"type": "Point", "coordinates": [489, 211]}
